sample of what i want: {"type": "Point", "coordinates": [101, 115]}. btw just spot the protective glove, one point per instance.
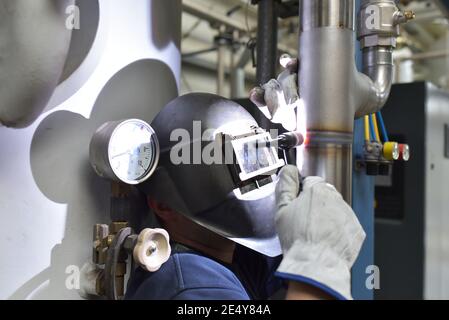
{"type": "Point", "coordinates": [319, 233]}
{"type": "Point", "coordinates": [277, 99]}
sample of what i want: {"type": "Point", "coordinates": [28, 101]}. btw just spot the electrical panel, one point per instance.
{"type": "Point", "coordinates": [411, 203]}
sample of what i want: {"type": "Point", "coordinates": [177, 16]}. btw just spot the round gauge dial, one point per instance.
{"type": "Point", "coordinates": [126, 150]}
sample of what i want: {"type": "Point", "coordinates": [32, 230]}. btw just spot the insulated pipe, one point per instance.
{"type": "Point", "coordinates": [332, 89]}
{"type": "Point", "coordinates": [267, 28]}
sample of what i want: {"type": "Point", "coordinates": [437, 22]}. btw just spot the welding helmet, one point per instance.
{"type": "Point", "coordinates": [217, 169]}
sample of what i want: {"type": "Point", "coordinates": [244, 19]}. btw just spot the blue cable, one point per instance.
{"type": "Point", "coordinates": [371, 128]}
{"type": "Point", "coordinates": [383, 129]}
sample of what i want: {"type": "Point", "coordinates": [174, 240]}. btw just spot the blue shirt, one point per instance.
{"type": "Point", "coordinates": [191, 276]}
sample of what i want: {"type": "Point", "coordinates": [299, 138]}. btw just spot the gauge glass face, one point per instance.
{"type": "Point", "coordinates": [132, 151]}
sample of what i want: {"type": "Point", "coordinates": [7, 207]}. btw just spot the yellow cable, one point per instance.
{"type": "Point", "coordinates": [367, 137]}
{"type": "Point", "coordinates": [376, 128]}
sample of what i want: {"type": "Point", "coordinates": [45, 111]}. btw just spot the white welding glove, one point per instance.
{"type": "Point", "coordinates": [277, 99]}
{"type": "Point", "coordinates": [319, 233]}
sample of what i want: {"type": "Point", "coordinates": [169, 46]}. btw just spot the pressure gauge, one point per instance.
{"type": "Point", "coordinates": [126, 151]}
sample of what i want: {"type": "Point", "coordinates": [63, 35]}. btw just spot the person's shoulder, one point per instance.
{"type": "Point", "coordinates": [187, 276]}
{"type": "Point", "coordinates": [204, 278]}
{"type": "Point", "coordinates": [199, 271]}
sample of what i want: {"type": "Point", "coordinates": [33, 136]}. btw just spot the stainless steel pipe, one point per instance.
{"type": "Point", "coordinates": [327, 13]}
{"type": "Point", "coordinates": [378, 66]}
{"type": "Point", "coordinates": [326, 79]}
{"type": "Point", "coordinates": [332, 89]}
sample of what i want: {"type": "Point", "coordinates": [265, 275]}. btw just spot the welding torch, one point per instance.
{"type": "Point", "coordinates": [287, 140]}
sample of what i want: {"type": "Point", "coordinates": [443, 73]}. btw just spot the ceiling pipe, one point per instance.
{"type": "Point", "coordinates": [196, 9]}
{"type": "Point", "coordinates": [332, 89]}
{"type": "Point", "coordinates": [200, 11]}
{"type": "Point", "coordinates": [438, 54]}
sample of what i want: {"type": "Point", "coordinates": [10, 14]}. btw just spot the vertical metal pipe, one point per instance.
{"type": "Point", "coordinates": [330, 85]}
{"type": "Point", "coordinates": [327, 29]}
{"type": "Point", "coordinates": [221, 53]}
{"type": "Point", "coordinates": [238, 84]}
{"type": "Point", "coordinates": [238, 76]}
{"type": "Point", "coordinates": [267, 30]}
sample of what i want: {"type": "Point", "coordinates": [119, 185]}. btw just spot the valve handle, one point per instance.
{"type": "Point", "coordinates": [152, 249]}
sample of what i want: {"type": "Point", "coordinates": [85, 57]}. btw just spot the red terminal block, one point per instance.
{"type": "Point", "coordinates": [404, 152]}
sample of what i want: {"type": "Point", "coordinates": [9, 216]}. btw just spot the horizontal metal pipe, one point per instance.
{"type": "Point", "coordinates": [198, 10]}
{"type": "Point", "coordinates": [195, 53]}
{"type": "Point", "coordinates": [438, 54]}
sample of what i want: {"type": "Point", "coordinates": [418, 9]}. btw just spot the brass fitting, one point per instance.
{"type": "Point", "coordinates": [116, 226]}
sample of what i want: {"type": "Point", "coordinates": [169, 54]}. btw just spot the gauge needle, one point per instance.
{"type": "Point", "coordinates": [121, 154]}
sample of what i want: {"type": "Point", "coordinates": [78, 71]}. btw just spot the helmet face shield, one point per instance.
{"type": "Point", "coordinates": [247, 219]}
{"type": "Point", "coordinates": [217, 168]}
{"type": "Point", "coordinates": [255, 155]}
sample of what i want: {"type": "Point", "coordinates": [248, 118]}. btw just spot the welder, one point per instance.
{"type": "Point", "coordinates": [239, 233]}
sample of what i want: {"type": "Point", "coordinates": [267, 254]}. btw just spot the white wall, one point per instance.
{"type": "Point", "coordinates": [49, 196]}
